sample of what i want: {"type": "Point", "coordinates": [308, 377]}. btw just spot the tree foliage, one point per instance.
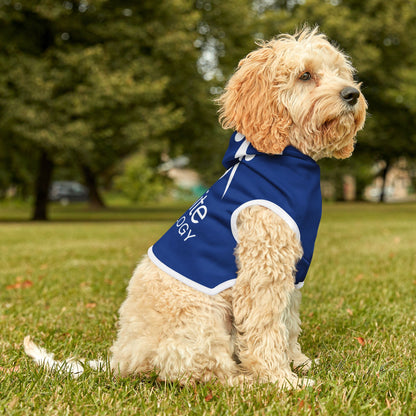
{"type": "Point", "coordinates": [139, 181]}
{"type": "Point", "coordinates": [87, 84]}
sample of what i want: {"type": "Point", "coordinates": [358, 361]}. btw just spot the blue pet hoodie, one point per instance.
{"type": "Point", "coordinates": [199, 248]}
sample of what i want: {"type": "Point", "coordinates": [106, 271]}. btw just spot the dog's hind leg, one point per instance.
{"type": "Point", "coordinates": [267, 253]}
{"type": "Point", "coordinates": [199, 346]}
{"type": "Point", "coordinates": [141, 324]}
{"type": "Point", "coordinates": [198, 349]}
{"type": "Point", "coordinates": [173, 329]}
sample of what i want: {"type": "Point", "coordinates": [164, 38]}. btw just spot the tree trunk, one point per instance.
{"type": "Point", "coordinates": [384, 177]}
{"type": "Point", "coordinates": [95, 199]}
{"type": "Point", "coordinates": [42, 185]}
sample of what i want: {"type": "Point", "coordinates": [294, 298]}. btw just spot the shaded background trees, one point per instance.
{"type": "Point", "coordinates": [87, 85]}
{"type": "Point", "coordinates": [83, 85]}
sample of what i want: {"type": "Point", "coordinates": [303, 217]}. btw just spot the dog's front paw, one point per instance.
{"type": "Point", "coordinates": [304, 364]}
{"type": "Point", "coordinates": [297, 383]}
{"type": "Point", "coordinates": [306, 382]}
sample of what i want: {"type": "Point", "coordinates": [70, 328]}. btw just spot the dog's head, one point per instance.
{"type": "Point", "coordinates": [295, 90]}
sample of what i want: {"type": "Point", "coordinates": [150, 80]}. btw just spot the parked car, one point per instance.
{"type": "Point", "coordinates": [68, 191]}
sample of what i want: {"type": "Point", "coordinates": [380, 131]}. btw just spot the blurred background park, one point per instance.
{"type": "Point", "coordinates": [107, 113]}
{"type": "Point", "coordinates": [112, 102]}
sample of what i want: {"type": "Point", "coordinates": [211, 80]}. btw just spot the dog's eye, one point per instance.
{"type": "Point", "coordinates": [306, 76]}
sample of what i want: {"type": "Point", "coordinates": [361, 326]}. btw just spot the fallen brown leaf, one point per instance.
{"type": "Point", "coordinates": [360, 340]}
{"type": "Point", "coordinates": [350, 312]}
{"type": "Point", "coordinates": [209, 396]}
{"type": "Point", "coordinates": [20, 285]}
{"type": "Point", "coordinates": [91, 305]}
{"type": "Point", "coordinates": [10, 287]}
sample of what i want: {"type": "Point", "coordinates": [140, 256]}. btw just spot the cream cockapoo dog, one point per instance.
{"type": "Point", "coordinates": [225, 306]}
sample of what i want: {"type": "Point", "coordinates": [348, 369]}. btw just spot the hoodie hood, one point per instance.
{"type": "Point", "coordinates": [238, 149]}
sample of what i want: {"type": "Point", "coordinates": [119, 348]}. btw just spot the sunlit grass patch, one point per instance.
{"type": "Point", "coordinates": [63, 282]}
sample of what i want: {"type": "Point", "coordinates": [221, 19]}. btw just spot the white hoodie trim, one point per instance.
{"type": "Point", "coordinates": [267, 204]}
{"type": "Point", "coordinates": [178, 276]}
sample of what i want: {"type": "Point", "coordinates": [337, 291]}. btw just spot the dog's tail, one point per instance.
{"type": "Point", "coordinates": [71, 365]}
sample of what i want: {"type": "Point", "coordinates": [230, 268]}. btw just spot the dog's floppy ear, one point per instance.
{"type": "Point", "coordinates": [251, 104]}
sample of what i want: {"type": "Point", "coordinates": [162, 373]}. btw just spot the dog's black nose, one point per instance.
{"type": "Point", "coordinates": [350, 95]}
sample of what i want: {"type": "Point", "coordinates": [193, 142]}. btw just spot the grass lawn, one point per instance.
{"type": "Point", "coordinates": [62, 282]}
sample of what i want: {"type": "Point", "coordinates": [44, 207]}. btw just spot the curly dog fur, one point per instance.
{"type": "Point", "coordinates": [294, 90]}
{"type": "Point", "coordinates": [248, 332]}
